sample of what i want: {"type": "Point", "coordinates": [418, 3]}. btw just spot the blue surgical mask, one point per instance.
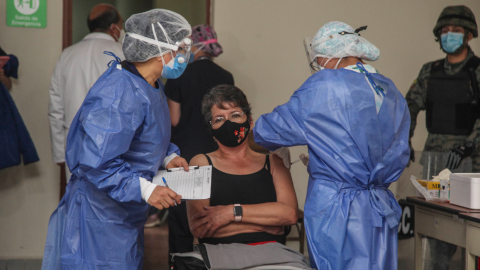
{"type": "Point", "coordinates": [174, 69]}
{"type": "Point", "coordinates": [451, 41]}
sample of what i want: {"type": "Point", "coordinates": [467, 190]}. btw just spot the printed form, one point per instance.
{"type": "Point", "coordinates": [192, 185]}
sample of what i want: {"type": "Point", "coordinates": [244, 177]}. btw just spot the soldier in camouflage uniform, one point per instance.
{"type": "Point", "coordinates": [448, 90]}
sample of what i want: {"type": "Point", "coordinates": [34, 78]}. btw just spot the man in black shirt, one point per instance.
{"type": "Point", "coordinates": [189, 131]}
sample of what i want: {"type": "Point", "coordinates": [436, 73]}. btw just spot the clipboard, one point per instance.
{"type": "Point", "coordinates": [182, 169]}
{"type": "Point", "coordinates": [192, 185]}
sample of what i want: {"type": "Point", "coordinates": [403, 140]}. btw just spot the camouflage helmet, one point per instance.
{"type": "Point", "coordinates": [456, 15]}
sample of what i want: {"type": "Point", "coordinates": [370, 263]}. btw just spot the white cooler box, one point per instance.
{"type": "Point", "coordinates": [465, 190]}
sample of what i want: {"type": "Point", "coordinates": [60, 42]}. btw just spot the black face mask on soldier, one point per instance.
{"type": "Point", "coordinates": [232, 134]}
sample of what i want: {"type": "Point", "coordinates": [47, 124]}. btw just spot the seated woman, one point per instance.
{"type": "Point", "coordinates": [252, 197]}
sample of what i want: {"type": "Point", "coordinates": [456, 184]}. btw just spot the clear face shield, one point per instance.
{"type": "Point", "coordinates": [185, 48]}
{"type": "Point", "coordinates": [177, 64]}
{"type": "Point", "coordinates": [182, 47]}
{"type": "Point", "coordinates": [311, 58]}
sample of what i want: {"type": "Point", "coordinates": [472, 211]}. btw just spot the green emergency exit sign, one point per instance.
{"type": "Point", "coordinates": [27, 13]}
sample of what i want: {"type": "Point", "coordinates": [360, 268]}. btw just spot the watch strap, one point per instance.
{"type": "Point", "coordinates": [237, 218]}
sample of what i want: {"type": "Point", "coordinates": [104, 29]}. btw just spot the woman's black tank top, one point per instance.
{"type": "Point", "coordinates": [252, 188]}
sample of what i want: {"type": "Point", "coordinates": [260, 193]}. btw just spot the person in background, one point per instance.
{"type": "Point", "coordinates": [5, 76]}
{"type": "Point", "coordinates": [78, 68]}
{"type": "Point", "coordinates": [117, 142]}
{"type": "Point", "coordinates": [448, 89]}
{"type": "Point", "coordinates": [16, 145]}
{"type": "Point", "coordinates": [189, 130]}
{"type": "Point", "coordinates": [355, 123]}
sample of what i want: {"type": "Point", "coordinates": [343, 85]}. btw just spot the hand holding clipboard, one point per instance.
{"type": "Point", "coordinates": [194, 184]}
{"type": "Point", "coordinates": [177, 162]}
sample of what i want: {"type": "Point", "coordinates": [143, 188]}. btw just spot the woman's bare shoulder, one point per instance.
{"type": "Point", "coordinates": [199, 160]}
{"type": "Point", "coordinates": [277, 165]}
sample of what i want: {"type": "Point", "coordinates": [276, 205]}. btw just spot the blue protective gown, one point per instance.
{"type": "Point", "coordinates": [121, 132]}
{"type": "Point", "coordinates": [351, 218]}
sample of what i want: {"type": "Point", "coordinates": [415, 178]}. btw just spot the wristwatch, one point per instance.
{"type": "Point", "coordinates": [237, 212]}
{"type": "Point", "coordinates": [469, 143]}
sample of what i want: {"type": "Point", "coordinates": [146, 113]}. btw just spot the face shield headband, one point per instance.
{"type": "Point", "coordinates": [331, 37]}
{"type": "Point", "coordinates": [185, 49]}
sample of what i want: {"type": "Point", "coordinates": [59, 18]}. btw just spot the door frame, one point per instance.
{"type": "Point", "coordinates": [67, 20]}
{"type": "Point", "coordinates": [67, 24]}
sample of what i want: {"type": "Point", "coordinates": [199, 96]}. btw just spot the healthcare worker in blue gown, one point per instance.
{"type": "Point", "coordinates": [118, 140]}
{"type": "Point", "coordinates": [355, 123]}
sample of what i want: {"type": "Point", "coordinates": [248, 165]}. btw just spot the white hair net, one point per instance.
{"type": "Point", "coordinates": [339, 40]}
{"type": "Point", "coordinates": [145, 29]}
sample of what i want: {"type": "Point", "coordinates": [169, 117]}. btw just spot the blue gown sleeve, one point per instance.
{"type": "Point", "coordinates": [285, 126]}
{"type": "Point", "coordinates": [172, 148]}
{"type": "Point", "coordinates": [110, 123]}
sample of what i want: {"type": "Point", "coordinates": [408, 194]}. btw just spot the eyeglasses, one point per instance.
{"type": "Point", "coordinates": [236, 117]}
{"type": "Point", "coordinates": [184, 47]}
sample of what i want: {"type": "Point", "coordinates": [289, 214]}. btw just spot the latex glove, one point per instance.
{"type": "Point", "coordinates": [284, 154]}
{"type": "Point", "coordinates": [457, 154]}
{"type": "Point", "coordinates": [305, 159]}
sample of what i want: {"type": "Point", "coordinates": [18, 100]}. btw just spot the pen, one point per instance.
{"type": "Point", "coordinates": [165, 182]}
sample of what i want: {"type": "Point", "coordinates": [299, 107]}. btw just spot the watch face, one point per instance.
{"type": "Point", "coordinates": [238, 211]}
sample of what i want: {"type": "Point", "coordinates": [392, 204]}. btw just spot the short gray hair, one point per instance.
{"type": "Point", "coordinates": [221, 94]}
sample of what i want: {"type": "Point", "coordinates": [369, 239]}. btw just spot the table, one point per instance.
{"type": "Point", "coordinates": [446, 222]}
{"type": "Point", "coordinates": [473, 237]}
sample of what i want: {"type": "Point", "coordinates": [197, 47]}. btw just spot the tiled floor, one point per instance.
{"type": "Point", "coordinates": [156, 248]}
{"type": "Point", "coordinates": [156, 253]}
{"type": "Point", "coordinates": [20, 264]}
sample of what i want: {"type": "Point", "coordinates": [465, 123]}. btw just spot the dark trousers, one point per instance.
{"type": "Point", "coordinates": [180, 239]}
{"type": "Point", "coordinates": [441, 254]}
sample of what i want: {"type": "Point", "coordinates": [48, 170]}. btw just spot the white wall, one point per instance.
{"type": "Point", "coordinates": [263, 48]}
{"type": "Point", "coordinates": [262, 42]}
{"type": "Point", "coordinates": [29, 194]}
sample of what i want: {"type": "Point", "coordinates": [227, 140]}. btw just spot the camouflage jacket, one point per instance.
{"type": "Point", "coordinates": [416, 100]}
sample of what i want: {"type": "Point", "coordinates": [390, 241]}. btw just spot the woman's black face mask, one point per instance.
{"type": "Point", "coordinates": [232, 134]}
